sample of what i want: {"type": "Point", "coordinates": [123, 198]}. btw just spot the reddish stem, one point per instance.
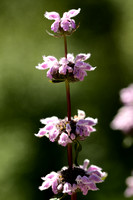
{"type": "Point", "coordinates": [69, 146]}
{"type": "Point", "coordinates": [68, 100]}
{"type": "Point", "coordinates": [74, 196]}
{"type": "Point", "coordinates": [65, 45]}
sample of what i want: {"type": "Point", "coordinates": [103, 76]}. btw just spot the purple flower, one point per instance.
{"type": "Point", "coordinates": [64, 24]}
{"type": "Point", "coordinates": [78, 178]}
{"type": "Point", "coordinates": [64, 131]}
{"type": "Point", "coordinates": [129, 190]}
{"type": "Point", "coordinates": [124, 118]}
{"type": "Point", "coordinates": [72, 69]}
{"type": "Point", "coordinates": [64, 139]}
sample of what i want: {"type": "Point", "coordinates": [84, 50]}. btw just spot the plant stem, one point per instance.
{"type": "Point", "coordinates": [69, 146]}
{"type": "Point", "coordinates": [68, 100]}
{"type": "Point", "coordinates": [74, 196]}
{"type": "Point", "coordinates": [65, 45]}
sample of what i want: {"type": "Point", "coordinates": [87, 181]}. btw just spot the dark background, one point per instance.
{"type": "Point", "coordinates": [26, 95]}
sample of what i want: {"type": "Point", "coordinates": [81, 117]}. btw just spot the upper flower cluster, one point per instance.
{"type": "Point", "coordinates": [65, 24]}
{"type": "Point", "coordinates": [65, 131]}
{"type": "Point", "coordinates": [79, 178]}
{"type": "Point", "coordinates": [124, 119]}
{"type": "Point", "coordinates": [70, 68]}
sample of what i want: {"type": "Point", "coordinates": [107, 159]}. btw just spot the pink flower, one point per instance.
{"type": "Point", "coordinates": [64, 131]}
{"type": "Point", "coordinates": [129, 190]}
{"type": "Point", "coordinates": [64, 139]}
{"type": "Point", "coordinates": [49, 180]}
{"type": "Point", "coordinates": [72, 69]}
{"type": "Point", "coordinates": [64, 24]}
{"type": "Point", "coordinates": [124, 119]}
{"type": "Point", "coordinates": [126, 95]}
{"type": "Point", "coordinates": [78, 178]}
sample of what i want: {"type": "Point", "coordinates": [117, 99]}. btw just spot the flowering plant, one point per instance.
{"type": "Point", "coordinates": [68, 132]}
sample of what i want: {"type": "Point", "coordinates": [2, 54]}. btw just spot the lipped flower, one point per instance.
{"type": "Point", "coordinates": [64, 131]}
{"type": "Point", "coordinates": [64, 25]}
{"type": "Point", "coordinates": [70, 68]}
{"type": "Point", "coordinates": [76, 179]}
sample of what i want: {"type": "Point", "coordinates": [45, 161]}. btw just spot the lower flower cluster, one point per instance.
{"type": "Point", "coordinates": [65, 131]}
{"type": "Point", "coordinates": [75, 179]}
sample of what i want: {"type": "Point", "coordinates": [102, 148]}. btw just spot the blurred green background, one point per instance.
{"type": "Point", "coordinates": [26, 96]}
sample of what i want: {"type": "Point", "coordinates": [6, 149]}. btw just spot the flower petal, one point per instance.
{"type": "Point", "coordinates": [42, 132]}
{"type": "Point", "coordinates": [81, 114]}
{"type": "Point", "coordinates": [95, 178]}
{"type": "Point", "coordinates": [55, 26]}
{"type": "Point", "coordinates": [42, 66]}
{"type": "Point", "coordinates": [65, 24]}
{"type": "Point", "coordinates": [45, 185]}
{"type": "Point", "coordinates": [51, 176]}
{"type": "Point", "coordinates": [67, 187]}
{"type": "Point", "coordinates": [91, 121]}
{"type": "Point", "coordinates": [52, 15]}
{"type": "Point", "coordinates": [64, 139]}
{"type": "Point", "coordinates": [94, 168]}
{"type": "Point", "coordinates": [49, 119]}
{"type": "Point", "coordinates": [82, 57]}
{"type": "Point", "coordinates": [49, 59]}
{"type": "Point", "coordinates": [73, 12]}
{"type": "Point", "coordinates": [53, 134]}
{"type": "Point", "coordinates": [70, 57]}
{"type": "Point", "coordinates": [86, 163]}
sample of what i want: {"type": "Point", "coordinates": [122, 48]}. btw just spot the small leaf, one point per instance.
{"type": "Point", "coordinates": [54, 35]}
{"type": "Point", "coordinates": [57, 81]}
{"type": "Point", "coordinates": [58, 196]}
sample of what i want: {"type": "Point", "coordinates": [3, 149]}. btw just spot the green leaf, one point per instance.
{"type": "Point", "coordinates": [57, 81]}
